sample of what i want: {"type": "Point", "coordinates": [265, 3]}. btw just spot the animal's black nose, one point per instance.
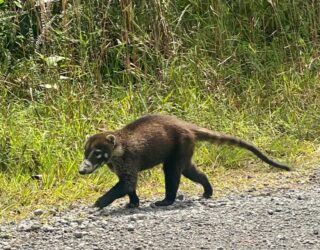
{"type": "Point", "coordinates": [82, 171]}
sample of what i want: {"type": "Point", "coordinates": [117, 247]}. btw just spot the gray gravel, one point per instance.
{"type": "Point", "coordinates": [265, 219]}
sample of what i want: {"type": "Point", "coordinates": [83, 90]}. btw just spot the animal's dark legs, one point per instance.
{"type": "Point", "coordinates": [126, 185]}
{"type": "Point", "coordinates": [172, 173]}
{"type": "Point", "coordinates": [192, 173]}
{"type": "Point", "coordinates": [133, 200]}
{"type": "Point", "coordinates": [114, 193]}
{"type": "Point", "coordinates": [173, 166]}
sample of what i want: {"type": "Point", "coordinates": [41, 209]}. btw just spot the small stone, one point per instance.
{"type": "Point", "coordinates": [48, 228]}
{"type": "Point", "coordinates": [141, 216]}
{"type": "Point", "coordinates": [197, 203]}
{"type": "Point", "coordinates": [133, 218]}
{"type": "Point", "coordinates": [28, 226]}
{"type": "Point", "coordinates": [187, 227]}
{"type": "Point", "coordinates": [299, 197]}
{"type": "Point", "coordinates": [92, 217]}
{"type": "Point", "coordinates": [281, 237]}
{"type": "Point", "coordinates": [309, 242]}
{"type": "Point", "coordinates": [130, 228]}
{"type": "Point", "coordinates": [38, 212]}
{"type": "Point", "coordinates": [83, 226]}
{"type": "Point", "coordinates": [315, 232]}
{"type": "Point", "coordinates": [35, 227]}
{"type": "Point", "coordinates": [270, 212]}
{"type": "Point", "coordinates": [252, 190]}
{"type": "Point", "coordinates": [180, 197]}
{"type": "Point", "coordinates": [222, 203]}
{"type": "Point", "coordinates": [78, 234]}
{"type": "Point", "coordinates": [5, 236]}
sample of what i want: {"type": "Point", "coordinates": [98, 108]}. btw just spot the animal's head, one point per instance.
{"type": "Point", "coordinates": [98, 150]}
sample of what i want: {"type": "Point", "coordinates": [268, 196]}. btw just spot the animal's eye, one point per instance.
{"type": "Point", "coordinates": [97, 152]}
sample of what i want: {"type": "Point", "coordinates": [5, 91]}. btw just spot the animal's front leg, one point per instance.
{"type": "Point", "coordinates": [114, 193]}
{"type": "Point", "coordinates": [126, 185]}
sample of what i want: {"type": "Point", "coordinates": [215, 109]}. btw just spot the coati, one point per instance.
{"type": "Point", "coordinates": [147, 142]}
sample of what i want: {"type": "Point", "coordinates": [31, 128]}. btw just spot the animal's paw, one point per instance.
{"type": "Point", "coordinates": [132, 205]}
{"type": "Point", "coordinates": [207, 195]}
{"type": "Point", "coordinates": [163, 203]}
{"type": "Point", "coordinates": [99, 204]}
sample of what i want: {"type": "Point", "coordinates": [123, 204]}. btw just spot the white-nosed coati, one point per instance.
{"type": "Point", "coordinates": [149, 141]}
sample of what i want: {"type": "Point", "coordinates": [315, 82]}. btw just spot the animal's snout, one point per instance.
{"type": "Point", "coordinates": [85, 167]}
{"type": "Point", "coordinates": [82, 171]}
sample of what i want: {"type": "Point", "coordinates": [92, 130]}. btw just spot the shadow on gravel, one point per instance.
{"type": "Point", "coordinates": [147, 208]}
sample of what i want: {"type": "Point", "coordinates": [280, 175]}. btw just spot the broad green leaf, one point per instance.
{"type": "Point", "coordinates": [18, 4]}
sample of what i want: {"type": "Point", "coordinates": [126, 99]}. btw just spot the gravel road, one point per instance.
{"type": "Point", "coordinates": [264, 219]}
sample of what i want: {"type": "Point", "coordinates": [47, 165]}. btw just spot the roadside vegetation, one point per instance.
{"type": "Point", "coordinates": [70, 67]}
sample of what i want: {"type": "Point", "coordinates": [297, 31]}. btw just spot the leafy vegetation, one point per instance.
{"type": "Point", "coordinates": [248, 68]}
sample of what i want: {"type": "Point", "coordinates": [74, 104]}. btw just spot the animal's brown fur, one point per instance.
{"type": "Point", "coordinates": [152, 140]}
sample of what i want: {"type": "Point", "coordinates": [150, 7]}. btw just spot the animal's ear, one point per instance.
{"type": "Point", "coordinates": [111, 139]}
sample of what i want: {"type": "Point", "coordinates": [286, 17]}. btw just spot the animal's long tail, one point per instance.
{"type": "Point", "coordinates": [203, 134]}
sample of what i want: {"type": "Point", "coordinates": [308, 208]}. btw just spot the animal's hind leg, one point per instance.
{"type": "Point", "coordinates": [192, 173]}
{"type": "Point", "coordinates": [133, 200]}
{"type": "Point", "coordinates": [172, 173]}
{"type": "Point", "coordinates": [173, 167]}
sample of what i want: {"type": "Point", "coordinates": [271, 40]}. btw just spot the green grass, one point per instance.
{"type": "Point", "coordinates": [246, 68]}
{"type": "Point", "coordinates": [48, 139]}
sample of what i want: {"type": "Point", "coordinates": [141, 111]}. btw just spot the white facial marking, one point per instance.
{"type": "Point", "coordinates": [99, 156]}
{"type": "Point", "coordinates": [105, 155]}
{"type": "Point", "coordinates": [87, 162]}
{"type": "Point", "coordinates": [98, 150]}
